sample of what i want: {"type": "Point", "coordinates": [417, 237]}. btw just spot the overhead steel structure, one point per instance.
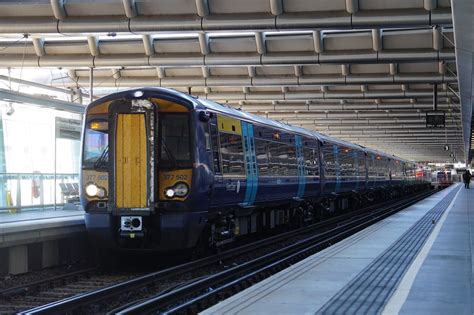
{"type": "Point", "coordinates": [360, 70]}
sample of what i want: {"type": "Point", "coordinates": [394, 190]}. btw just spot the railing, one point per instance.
{"type": "Point", "coordinates": [34, 191]}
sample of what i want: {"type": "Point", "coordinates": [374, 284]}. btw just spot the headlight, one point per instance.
{"type": "Point", "coordinates": [169, 193]}
{"type": "Point", "coordinates": [181, 190]}
{"type": "Point", "coordinates": [138, 93]}
{"type": "Point", "coordinates": [92, 190]}
{"type": "Point", "coordinates": [101, 193]}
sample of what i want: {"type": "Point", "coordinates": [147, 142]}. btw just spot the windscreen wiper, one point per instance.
{"type": "Point", "coordinates": [169, 153]}
{"type": "Point", "coordinates": [102, 158]}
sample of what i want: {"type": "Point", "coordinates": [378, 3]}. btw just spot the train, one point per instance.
{"type": "Point", "coordinates": [165, 171]}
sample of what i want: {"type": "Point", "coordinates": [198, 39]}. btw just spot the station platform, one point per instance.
{"type": "Point", "coordinates": [34, 240]}
{"type": "Point", "coordinates": [418, 261]}
{"type": "Point", "coordinates": [38, 214]}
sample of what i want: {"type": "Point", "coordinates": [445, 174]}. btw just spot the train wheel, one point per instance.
{"type": "Point", "coordinates": [205, 245]}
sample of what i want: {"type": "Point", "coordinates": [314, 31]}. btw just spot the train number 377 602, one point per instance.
{"type": "Point", "coordinates": [176, 177]}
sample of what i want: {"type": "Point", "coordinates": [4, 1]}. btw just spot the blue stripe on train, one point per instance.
{"type": "Point", "coordinates": [250, 164]}
{"type": "Point", "coordinates": [253, 161]}
{"type": "Point", "coordinates": [301, 166]}
{"type": "Point", "coordinates": [248, 173]}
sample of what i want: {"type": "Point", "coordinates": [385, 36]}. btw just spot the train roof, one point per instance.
{"type": "Point", "coordinates": [149, 92]}
{"type": "Point", "coordinates": [195, 103]}
{"type": "Point", "coordinates": [276, 124]}
{"type": "Point", "coordinates": [248, 116]}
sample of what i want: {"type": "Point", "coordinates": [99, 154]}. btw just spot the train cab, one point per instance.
{"type": "Point", "coordinates": [137, 170]}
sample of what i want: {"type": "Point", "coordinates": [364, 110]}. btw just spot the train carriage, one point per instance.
{"type": "Point", "coordinates": [162, 170]}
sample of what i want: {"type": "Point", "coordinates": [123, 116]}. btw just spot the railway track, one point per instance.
{"type": "Point", "coordinates": [184, 286]}
{"type": "Point", "coordinates": [25, 296]}
{"type": "Point", "coordinates": [205, 292]}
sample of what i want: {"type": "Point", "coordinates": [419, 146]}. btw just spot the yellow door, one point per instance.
{"type": "Point", "coordinates": [130, 161]}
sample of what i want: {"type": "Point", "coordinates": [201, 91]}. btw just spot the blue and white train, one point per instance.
{"type": "Point", "coordinates": [162, 170]}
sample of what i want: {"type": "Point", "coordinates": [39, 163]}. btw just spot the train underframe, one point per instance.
{"type": "Point", "coordinates": [207, 231]}
{"type": "Point", "coordinates": [225, 227]}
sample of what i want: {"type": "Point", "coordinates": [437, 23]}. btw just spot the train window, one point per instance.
{"type": "Point", "coordinates": [282, 159]}
{"type": "Point", "coordinates": [96, 141]}
{"type": "Point", "coordinates": [215, 148]}
{"type": "Point", "coordinates": [372, 166]}
{"type": "Point", "coordinates": [346, 163]}
{"type": "Point", "coordinates": [207, 135]}
{"type": "Point", "coordinates": [329, 160]}
{"type": "Point", "coordinates": [396, 169]}
{"type": "Point", "coordinates": [381, 167]}
{"type": "Point", "coordinates": [361, 163]}
{"type": "Point", "coordinates": [311, 162]}
{"type": "Point", "coordinates": [261, 148]}
{"type": "Point", "coordinates": [232, 154]}
{"type": "Point", "coordinates": [175, 141]}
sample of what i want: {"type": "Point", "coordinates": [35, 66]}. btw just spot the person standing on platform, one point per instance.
{"type": "Point", "coordinates": [466, 178]}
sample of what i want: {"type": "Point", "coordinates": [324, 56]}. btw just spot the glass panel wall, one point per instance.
{"type": "Point", "coordinates": [41, 154]}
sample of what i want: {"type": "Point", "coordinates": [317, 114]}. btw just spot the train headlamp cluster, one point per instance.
{"type": "Point", "coordinates": [92, 190]}
{"type": "Point", "coordinates": [178, 190]}
{"type": "Point", "coordinates": [138, 93]}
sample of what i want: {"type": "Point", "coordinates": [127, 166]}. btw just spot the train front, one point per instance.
{"type": "Point", "coordinates": [137, 171]}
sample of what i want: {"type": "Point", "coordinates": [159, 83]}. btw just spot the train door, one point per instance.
{"type": "Point", "coordinates": [230, 182]}
{"type": "Point", "coordinates": [131, 179]}
{"type": "Point", "coordinates": [337, 160]}
{"type": "Point", "coordinates": [217, 186]}
{"type": "Point", "coordinates": [322, 172]}
{"type": "Point", "coordinates": [355, 155]}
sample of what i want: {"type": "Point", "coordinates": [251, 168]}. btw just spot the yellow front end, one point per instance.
{"type": "Point", "coordinates": [130, 161]}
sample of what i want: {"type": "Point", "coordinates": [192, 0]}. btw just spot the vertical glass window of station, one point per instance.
{"type": "Point", "coordinates": [39, 157]}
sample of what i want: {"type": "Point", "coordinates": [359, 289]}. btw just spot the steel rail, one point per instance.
{"type": "Point", "coordinates": [278, 259]}
{"type": "Point", "coordinates": [33, 286]}
{"type": "Point", "coordinates": [105, 293]}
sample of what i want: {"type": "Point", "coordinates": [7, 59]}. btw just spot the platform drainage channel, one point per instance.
{"type": "Point", "coordinates": [370, 290]}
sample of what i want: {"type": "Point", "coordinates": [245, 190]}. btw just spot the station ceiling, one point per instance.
{"type": "Point", "coordinates": [359, 70]}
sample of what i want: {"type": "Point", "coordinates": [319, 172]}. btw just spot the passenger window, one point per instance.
{"type": "Point", "coordinates": [282, 159]}
{"type": "Point", "coordinates": [382, 170]}
{"type": "Point", "coordinates": [329, 160]}
{"type": "Point", "coordinates": [261, 147]}
{"type": "Point", "coordinates": [311, 162]}
{"type": "Point", "coordinates": [232, 154]}
{"type": "Point", "coordinates": [362, 167]}
{"type": "Point", "coordinates": [346, 162]}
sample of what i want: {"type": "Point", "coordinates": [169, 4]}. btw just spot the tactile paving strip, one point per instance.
{"type": "Point", "coordinates": [370, 290]}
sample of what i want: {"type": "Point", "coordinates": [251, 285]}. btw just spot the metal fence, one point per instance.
{"type": "Point", "coordinates": [37, 191]}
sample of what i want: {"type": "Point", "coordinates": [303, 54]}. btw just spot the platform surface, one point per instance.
{"type": "Point", "coordinates": [38, 214]}
{"type": "Point", "coordinates": [35, 226]}
{"type": "Point", "coordinates": [436, 280]}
